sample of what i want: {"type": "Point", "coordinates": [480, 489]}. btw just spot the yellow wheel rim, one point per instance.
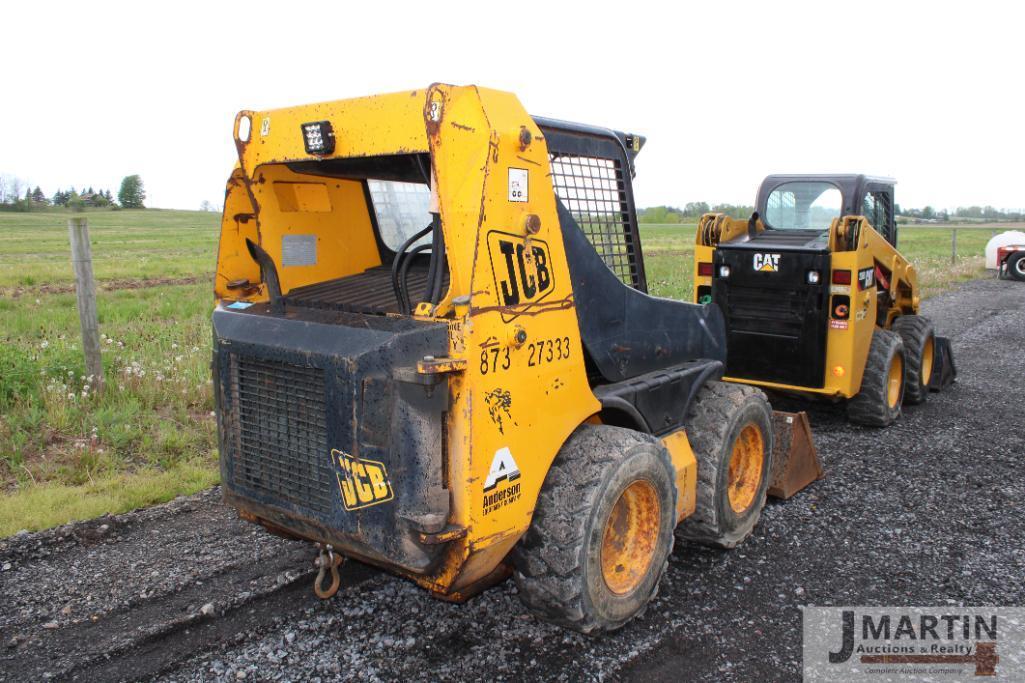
{"type": "Point", "coordinates": [895, 381]}
{"type": "Point", "coordinates": [631, 534]}
{"type": "Point", "coordinates": [928, 351]}
{"type": "Point", "coordinates": [746, 463]}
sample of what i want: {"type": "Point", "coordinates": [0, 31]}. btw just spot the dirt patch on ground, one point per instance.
{"type": "Point", "coordinates": [103, 286]}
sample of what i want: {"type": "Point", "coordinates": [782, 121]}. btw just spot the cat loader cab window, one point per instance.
{"type": "Point", "coordinates": [878, 209]}
{"type": "Point", "coordinates": [803, 205]}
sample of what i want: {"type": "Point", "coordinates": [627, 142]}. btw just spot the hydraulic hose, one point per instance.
{"type": "Point", "coordinates": [405, 305]}
{"type": "Point", "coordinates": [397, 262]}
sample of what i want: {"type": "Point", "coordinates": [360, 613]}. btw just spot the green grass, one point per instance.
{"type": "Point", "coordinates": [69, 452]}
{"type": "Point", "coordinates": [154, 414]}
{"type": "Point", "coordinates": [129, 244]}
{"type": "Point", "coordinates": [53, 503]}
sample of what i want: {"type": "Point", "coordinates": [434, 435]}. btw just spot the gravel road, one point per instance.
{"type": "Point", "coordinates": [925, 512]}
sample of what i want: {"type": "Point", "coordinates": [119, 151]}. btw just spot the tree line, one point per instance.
{"type": "Point", "coordinates": [694, 210]}
{"type": "Point", "coordinates": [16, 195]}
{"type": "Point", "coordinates": [967, 213]}
{"type": "Point", "coordinates": [690, 212]}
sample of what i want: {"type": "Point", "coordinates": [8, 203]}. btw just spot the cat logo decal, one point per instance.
{"type": "Point", "coordinates": [766, 263]}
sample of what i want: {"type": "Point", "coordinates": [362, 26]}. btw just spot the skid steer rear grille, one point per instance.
{"type": "Point", "coordinates": [278, 441]}
{"type": "Point", "coordinates": [764, 310]}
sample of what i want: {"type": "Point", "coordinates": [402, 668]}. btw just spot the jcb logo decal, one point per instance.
{"type": "Point", "coordinates": [522, 271]}
{"type": "Point", "coordinates": [362, 482]}
{"type": "Point", "coordinates": [766, 263]}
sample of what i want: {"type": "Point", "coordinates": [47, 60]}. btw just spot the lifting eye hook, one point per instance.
{"type": "Point", "coordinates": [327, 561]}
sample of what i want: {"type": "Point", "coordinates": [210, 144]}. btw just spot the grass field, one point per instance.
{"type": "Point", "coordinates": [70, 452]}
{"type": "Point", "coordinates": [127, 245]}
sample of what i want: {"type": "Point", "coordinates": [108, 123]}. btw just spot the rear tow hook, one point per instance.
{"type": "Point", "coordinates": [327, 561]}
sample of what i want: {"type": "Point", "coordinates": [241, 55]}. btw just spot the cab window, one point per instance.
{"type": "Point", "coordinates": [402, 210]}
{"type": "Point", "coordinates": [803, 205]}
{"type": "Point", "coordinates": [876, 208]}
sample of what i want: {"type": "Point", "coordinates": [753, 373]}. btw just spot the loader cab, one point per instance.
{"type": "Point", "coordinates": [795, 204]}
{"type": "Point", "coordinates": [784, 292]}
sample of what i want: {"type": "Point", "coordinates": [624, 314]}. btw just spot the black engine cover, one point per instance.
{"type": "Point", "coordinates": [776, 322]}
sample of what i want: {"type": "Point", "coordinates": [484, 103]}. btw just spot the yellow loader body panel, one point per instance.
{"type": "Point", "coordinates": [501, 340]}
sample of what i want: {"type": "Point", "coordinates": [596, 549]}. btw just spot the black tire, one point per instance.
{"type": "Point", "coordinates": [919, 355]}
{"type": "Point", "coordinates": [872, 405]}
{"type": "Point", "coordinates": [558, 563]}
{"type": "Point", "coordinates": [1016, 266]}
{"type": "Point", "coordinates": [719, 414]}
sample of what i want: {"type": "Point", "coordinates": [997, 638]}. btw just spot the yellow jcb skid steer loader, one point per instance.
{"type": "Point", "coordinates": [434, 352]}
{"type": "Point", "coordinates": [818, 300]}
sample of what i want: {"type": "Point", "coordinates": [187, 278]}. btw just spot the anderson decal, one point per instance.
{"type": "Point", "coordinates": [503, 469]}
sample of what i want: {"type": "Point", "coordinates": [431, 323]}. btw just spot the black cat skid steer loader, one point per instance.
{"type": "Point", "coordinates": [434, 352]}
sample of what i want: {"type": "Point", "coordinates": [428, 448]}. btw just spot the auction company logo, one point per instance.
{"type": "Point", "coordinates": [913, 643]}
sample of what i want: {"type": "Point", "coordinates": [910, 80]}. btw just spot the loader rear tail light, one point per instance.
{"type": "Point", "coordinates": [841, 277]}
{"type": "Point", "coordinates": [704, 269]}
{"type": "Point", "coordinates": [319, 137]}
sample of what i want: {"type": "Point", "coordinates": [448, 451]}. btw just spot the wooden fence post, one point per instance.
{"type": "Point", "coordinates": [85, 287]}
{"type": "Point", "coordinates": [953, 246]}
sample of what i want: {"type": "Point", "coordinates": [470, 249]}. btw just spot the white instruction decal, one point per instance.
{"type": "Point", "coordinates": [298, 250]}
{"type": "Point", "coordinates": [518, 184]}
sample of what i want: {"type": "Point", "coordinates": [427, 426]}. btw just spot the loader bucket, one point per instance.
{"type": "Point", "coordinates": [944, 372]}
{"type": "Point", "coordinates": [795, 462]}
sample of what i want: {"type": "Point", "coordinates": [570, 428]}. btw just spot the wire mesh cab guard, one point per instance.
{"type": "Point", "coordinates": [626, 333]}
{"type": "Point", "coordinates": [591, 170]}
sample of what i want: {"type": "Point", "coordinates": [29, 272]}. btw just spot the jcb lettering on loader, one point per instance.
{"type": "Point", "coordinates": [521, 268]}
{"type": "Point", "coordinates": [456, 372]}
{"type": "Point", "coordinates": [362, 483]}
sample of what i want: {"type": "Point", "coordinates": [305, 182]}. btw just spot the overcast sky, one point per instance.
{"type": "Point", "coordinates": [931, 93]}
